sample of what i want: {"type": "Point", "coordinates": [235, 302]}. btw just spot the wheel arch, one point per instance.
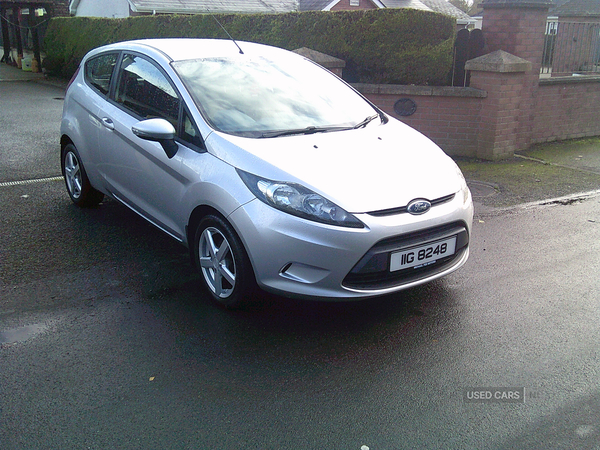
{"type": "Point", "coordinates": [211, 197]}
{"type": "Point", "coordinates": [197, 215]}
{"type": "Point", "coordinates": [64, 141]}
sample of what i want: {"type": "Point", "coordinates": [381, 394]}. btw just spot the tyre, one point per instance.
{"type": "Point", "coordinates": [78, 186]}
{"type": "Point", "coordinates": [223, 263]}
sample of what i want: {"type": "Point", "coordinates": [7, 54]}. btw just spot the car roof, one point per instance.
{"type": "Point", "coordinates": [180, 49]}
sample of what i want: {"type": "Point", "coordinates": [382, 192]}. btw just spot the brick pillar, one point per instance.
{"type": "Point", "coordinates": [518, 27]}
{"type": "Point", "coordinates": [504, 78]}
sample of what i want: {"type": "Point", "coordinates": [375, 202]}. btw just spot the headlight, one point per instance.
{"type": "Point", "coordinates": [295, 199]}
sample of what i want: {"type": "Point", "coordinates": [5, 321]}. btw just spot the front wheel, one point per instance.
{"type": "Point", "coordinates": [78, 186]}
{"type": "Point", "coordinates": [223, 263]}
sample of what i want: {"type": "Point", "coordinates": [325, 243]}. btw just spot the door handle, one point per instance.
{"type": "Point", "coordinates": [108, 123]}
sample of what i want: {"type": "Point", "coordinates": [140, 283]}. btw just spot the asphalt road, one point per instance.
{"type": "Point", "coordinates": [107, 341]}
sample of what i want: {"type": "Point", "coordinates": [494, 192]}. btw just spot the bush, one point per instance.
{"type": "Point", "coordinates": [400, 46]}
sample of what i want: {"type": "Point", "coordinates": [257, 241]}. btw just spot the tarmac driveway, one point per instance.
{"type": "Point", "coordinates": [107, 341]}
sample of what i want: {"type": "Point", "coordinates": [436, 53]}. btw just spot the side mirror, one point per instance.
{"type": "Point", "coordinates": [157, 130]}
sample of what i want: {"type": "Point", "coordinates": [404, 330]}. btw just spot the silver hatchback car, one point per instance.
{"type": "Point", "coordinates": [275, 173]}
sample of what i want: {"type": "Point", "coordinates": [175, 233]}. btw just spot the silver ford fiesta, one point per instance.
{"type": "Point", "coordinates": [271, 170]}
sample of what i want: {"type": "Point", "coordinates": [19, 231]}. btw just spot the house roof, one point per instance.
{"type": "Point", "coordinates": [445, 7]}
{"type": "Point", "coordinates": [213, 6]}
{"type": "Point", "coordinates": [414, 4]}
{"type": "Point", "coordinates": [566, 8]}
{"type": "Point", "coordinates": [578, 8]}
{"type": "Point", "coordinates": [313, 5]}
{"type": "Point", "coordinates": [320, 5]}
{"type": "Point", "coordinates": [441, 6]}
{"type": "Point", "coordinates": [554, 4]}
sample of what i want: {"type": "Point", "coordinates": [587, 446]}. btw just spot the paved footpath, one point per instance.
{"type": "Point", "coordinates": [10, 73]}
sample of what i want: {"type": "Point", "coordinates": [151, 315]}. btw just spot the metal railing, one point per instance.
{"type": "Point", "coordinates": [571, 48]}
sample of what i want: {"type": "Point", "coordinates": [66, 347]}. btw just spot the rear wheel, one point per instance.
{"type": "Point", "coordinates": [78, 186]}
{"type": "Point", "coordinates": [223, 263]}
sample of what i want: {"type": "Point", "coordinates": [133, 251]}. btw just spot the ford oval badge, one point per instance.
{"type": "Point", "coordinates": [419, 206]}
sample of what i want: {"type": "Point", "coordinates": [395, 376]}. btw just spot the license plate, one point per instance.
{"type": "Point", "coordinates": [422, 256]}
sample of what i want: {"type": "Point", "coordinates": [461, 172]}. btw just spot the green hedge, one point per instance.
{"type": "Point", "coordinates": [395, 46]}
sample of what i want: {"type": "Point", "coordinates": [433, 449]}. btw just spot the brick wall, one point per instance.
{"type": "Point", "coordinates": [508, 106]}
{"type": "Point", "coordinates": [451, 122]}
{"type": "Point", "coordinates": [449, 116]}
{"type": "Point", "coordinates": [566, 109]}
{"type": "Point", "coordinates": [485, 123]}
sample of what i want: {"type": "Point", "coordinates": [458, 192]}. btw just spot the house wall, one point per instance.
{"type": "Point", "coordinates": [58, 8]}
{"type": "Point", "coordinates": [105, 8]}
{"type": "Point", "coordinates": [344, 5]}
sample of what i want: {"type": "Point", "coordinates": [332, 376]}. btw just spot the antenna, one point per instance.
{"type": "Point", "coordinates": [227, 33]}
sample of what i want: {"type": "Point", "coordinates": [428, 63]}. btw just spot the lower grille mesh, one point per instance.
{"type": "Point", "coordinates": [372, 271]}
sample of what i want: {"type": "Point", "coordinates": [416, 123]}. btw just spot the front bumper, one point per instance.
{"type": "Point", "coordinates": [301, 258]}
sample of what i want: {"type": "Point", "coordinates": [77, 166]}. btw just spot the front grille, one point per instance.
{"type": "Point", "coordinates": [372, 271]}
{"type": "Point", "coordinates": [403, 209]}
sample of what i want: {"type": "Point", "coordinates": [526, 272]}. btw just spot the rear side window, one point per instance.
{"type": "Point", "coordinates": [99, 71]}
{"type": "Point", "coordinates": [145, 90]}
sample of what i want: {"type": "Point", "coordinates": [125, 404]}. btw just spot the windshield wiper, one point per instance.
{"type": "Point", "coordinates": [307, 130]}
{"type": "Point", "coordinates": [313, 129]}
{"type": "Point", "coordinates": [366, 121]}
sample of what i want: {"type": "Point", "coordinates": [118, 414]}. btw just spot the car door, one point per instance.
{"type": "Point", "coordinates": [138, 172]}
{"type": "Point", "coordinates": [84, 108]}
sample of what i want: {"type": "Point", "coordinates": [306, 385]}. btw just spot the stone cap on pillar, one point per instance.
{"type": "Point", "coordinates": [516, 4]}
{"type": "Point", "coordinates": [327, 61]}
{"type": "Point", "coordinates": [498, 61]}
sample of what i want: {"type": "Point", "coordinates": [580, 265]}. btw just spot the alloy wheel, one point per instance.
{"type": "Point", "coordinates": [217, 262]}
{"type": "Point", "coordinates": [73, 175]}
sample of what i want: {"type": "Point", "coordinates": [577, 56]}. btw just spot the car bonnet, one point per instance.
{"type": "Point", "coordinates": [371, 169]}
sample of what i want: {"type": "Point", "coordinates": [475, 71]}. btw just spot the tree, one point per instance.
{"type": "Point", "coordinates": [471, 7]}
{"type": "Point", "coordinates": [475, 8]}
{"type": "Point", "coordinates": [463, 5]}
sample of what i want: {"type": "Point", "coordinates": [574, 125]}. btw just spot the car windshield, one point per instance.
{"type": "Point", "coordinates": [258, 97]}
